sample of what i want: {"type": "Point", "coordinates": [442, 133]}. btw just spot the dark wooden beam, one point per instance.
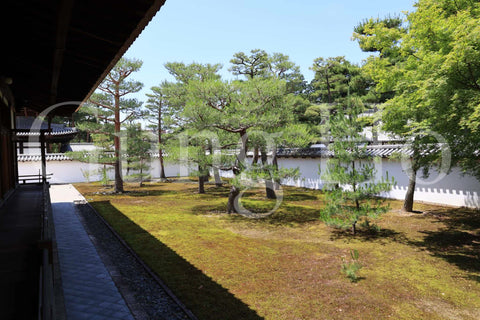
{"type": "Point", "coordinates": [63, 20]}
{"type": "Point", "coordinates": [96, 37]}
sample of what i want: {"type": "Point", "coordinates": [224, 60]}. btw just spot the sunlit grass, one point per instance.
{"type": "Point", "coordinates": [287, 265]}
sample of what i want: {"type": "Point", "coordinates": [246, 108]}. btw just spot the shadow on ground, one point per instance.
{"type": "Point", "coordinates": [369, 234]}
{"type": "Point", "coordinates": [286, 215]}
{"type": "Point", "coordinates": [201, 294]}
{"type": "Point", "coordinates": [458, 242]}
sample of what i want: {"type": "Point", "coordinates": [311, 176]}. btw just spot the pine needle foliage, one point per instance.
{"type": "Point", "coordinates": [351, 187]}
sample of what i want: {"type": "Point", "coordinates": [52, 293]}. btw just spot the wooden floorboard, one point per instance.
{"type": "Point", "coordinates": [20, 223]}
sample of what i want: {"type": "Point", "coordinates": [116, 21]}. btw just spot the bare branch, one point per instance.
{"type": "Point", "coordinates": [128, 117]}
{"type": "Point", "coordinates": [103, 105]}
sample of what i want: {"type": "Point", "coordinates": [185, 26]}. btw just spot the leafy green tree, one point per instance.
{"type": "Point", "coordinates": [111, 103]}
{"type": "Point", "coordinates": [350, 188]}
{"type": "Point", "coordinates": [431, 65]}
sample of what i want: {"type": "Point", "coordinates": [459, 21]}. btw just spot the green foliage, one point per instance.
{"type": "Point", "coordinates": [351, 189]}
{"type": "Point", "coordinates": [350, 268]}
{"type": "Point", "coordinates": [431, 64]}
{"type": "Point", "coordinates": [255, 65]}
{"type": "Point", "coordinates": [104, 175]}
{"type": "Point", "coordinates": [86, 174]}
{"type": "Point", "coordinates": [260, 64]}
{"type": "Point", "coordinates": [102, 115]}
{"type": "Point", "coordinates": [138, 153]}
{"type": "Point", "coordinates": [335, 78]}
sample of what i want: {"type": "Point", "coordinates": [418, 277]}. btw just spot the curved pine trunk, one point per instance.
{"type": "Point", "coordinates": [269, 187]}
{"type": "Point", "coordinates": [232, 204]}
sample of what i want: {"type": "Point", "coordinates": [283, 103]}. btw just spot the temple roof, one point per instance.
{"type": "Point", "coordinates": [58, 51]}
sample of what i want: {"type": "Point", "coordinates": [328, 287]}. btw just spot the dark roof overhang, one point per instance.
{"type": "Point", "coordinates": [59, 51]}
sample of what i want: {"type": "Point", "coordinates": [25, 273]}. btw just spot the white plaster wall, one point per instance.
{"type": "Point", "coordinates": [453, 189]}
{"type": "Point", "coordinates": [69, 171]}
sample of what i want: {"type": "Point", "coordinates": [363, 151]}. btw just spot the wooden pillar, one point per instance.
{"type": "Point", "coordinates": [49, 146]}
{"type": "Point", "coordinates": [44, 158]}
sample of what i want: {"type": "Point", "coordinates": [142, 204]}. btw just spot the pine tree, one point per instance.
{"type": "Point", "coordinates": [351, 190]}
{"type": "Point", "coordinates": [138, 153]}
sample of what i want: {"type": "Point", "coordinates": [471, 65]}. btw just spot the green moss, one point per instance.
{"type": "Point", "coordinates": [287, 265]}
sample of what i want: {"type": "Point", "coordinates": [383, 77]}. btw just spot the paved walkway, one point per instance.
{"type": "Point", "coordinates": [20, 223]}
{"type": "Point", "coordinates": [88, 287]}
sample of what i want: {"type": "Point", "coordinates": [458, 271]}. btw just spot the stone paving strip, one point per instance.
{"type": "Point", "coordinates": [89, 290]}
{"type": "Point", "coordinates": [102, 278]}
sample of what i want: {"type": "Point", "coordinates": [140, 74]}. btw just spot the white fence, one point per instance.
{"type": "Point", "coordinates": [453, 189]}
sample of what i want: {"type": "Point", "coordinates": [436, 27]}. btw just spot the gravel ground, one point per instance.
{"type": "Point", "coordinates": [146, 298]}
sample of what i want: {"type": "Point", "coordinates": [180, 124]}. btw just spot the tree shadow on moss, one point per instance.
{"type": "Point", "coordinates": [149, 193]}
{"type": "Point", "coordinates": [458, 242]}
{"type": "Point", "coordinates": [369, 234]}
{"type": "Point", "coordinates": [201, 294]}
{"type": "Point", "coordinates": [297, 196]}
{"type": "Point", "coordinates": [286, 216]}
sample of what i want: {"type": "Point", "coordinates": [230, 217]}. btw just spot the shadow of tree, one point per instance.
{"type": "Point", "coordinates": [200, 293]}
{"type": "Point", "coordinates": [370, 234]}
{"type": "Point", "coordinates": [296, 196]}
{"type": "Point", "coordinates": [458, 242]}
{"type": "Point", "coordinates": [149, 193]}
{"type": "Point", "coordinates": [286, 215]}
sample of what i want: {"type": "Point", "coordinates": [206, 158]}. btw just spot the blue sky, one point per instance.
{"type": "Point", "coordinates": [211, 31]}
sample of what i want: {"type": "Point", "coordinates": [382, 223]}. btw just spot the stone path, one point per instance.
{"type": "Point", "coordinates": [89, 290]}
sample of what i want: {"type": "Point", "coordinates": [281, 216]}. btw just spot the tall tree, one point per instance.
{"type": "Point", "coordinates": [111, 96]}
{"type": "Point", "coordinates": [431, 64]}
{"type": "Point", "coordinates": [261, 65]}
{"type": "Point", "coordinates": [236, 107]}
{"type": "Point", "coordinates": [254, 65]}
{"type": "Point", "coordinates": [175, 97]}
{"type": "Point", "coordinates": [163, 116]}
{"type": "Point", "coordinates": [101, 132]}
{"type": "Point", "coordinates": [334, 78]}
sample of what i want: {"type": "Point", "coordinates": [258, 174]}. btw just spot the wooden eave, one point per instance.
{"type": "Point", "coordinates": [58, 51]}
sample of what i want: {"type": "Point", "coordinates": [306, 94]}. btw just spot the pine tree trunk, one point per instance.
{"type": "Point", "coordinates": [275, 166]}
{"type": "Point", "coordinates": [141, 174]}
{"type": "Point", "coordinates": [160, 151]}
{"type": "Point", "coordinates": [255, 156]}
{"type": "Point", "coordinates": [232, 204]}
{"type": "Point", "coordinates": [162, 168]}
{"type": "Point", "coordinates": [269, 189]}
{"type": "Point", "coordinates": [201, 179]}
{"type": "Point", "coordinates": [408, 203]}
{"type": "Point", "coordinates": [354, 228]}
{"type": "Point", "coordinates": [201, 184]}
{"type": "Point", "coordinates": [116, 139]}
{"type": "Point", "coordinates": [218, 179]}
